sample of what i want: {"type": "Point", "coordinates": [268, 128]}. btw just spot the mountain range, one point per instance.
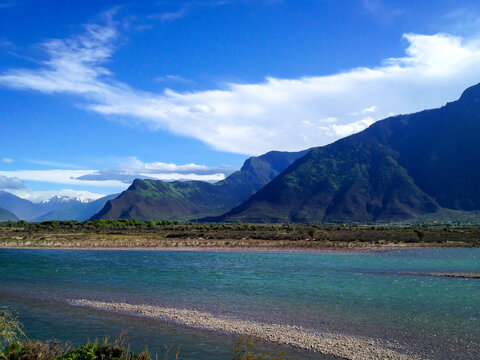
{"type": "Point", "coordinates": [182, 200]}
{"type": "Point", "coordinates": [55, 208]}
{"type": "Point", "coordinates": [6, 215]}
{"type": "Point", "coordinates": [400, 168]}
{"type": "Point", "coordinates": [397, 169]}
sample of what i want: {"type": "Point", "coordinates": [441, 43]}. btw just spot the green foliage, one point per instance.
{"type": "Point", "coordinates": [34, 350]}
{"type": "Point", "coordinates": [10, 327]}
{"type": "Point", "coordinates": [248, 348]}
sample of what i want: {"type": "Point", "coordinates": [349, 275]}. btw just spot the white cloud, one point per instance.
{"type": "Point", "coordinates": [11, 183]}
{"type": "Point", "coordinates": [132, 168]}
{"type": "Point", "coordinates": [38, 196]}
{"type": "Point", "coordinates": [119, 177]}
{"type": "Point", "coordinates": [7, 160]}
{"type": "Point", "coordinates": [54, 164]}
{"type": "Point", "coordinates": [59, 176]}
{"type": "Point", "coordinates": [351, 128]}
{"type": "Point", "coordinates": [252, 119]}
{"type": "Point", "coordinates": [177, 176]}
{"type": "Point", "coordinates": [370, 110]}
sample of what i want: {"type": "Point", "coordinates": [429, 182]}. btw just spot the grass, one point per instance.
{"type": "Point", "coordinates": [167, 234]}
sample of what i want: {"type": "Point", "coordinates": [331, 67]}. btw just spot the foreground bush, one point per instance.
{"type": "Point", "coordinates": [38, 350]}
{"type": "Point", "coordinates": [11, 333]}
{"type": "Point", "coordinates": [33, 350]}
{"type": "Point", "coordinates": [244, 349]}
{"type": "Point", "coordinates": [10, 327]}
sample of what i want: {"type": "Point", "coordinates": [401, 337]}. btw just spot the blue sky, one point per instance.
{"type": "Point", "coordinates": [96, 93]}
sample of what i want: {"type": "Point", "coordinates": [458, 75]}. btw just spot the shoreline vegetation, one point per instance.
{"type": "Point", "coordinates": [173, 235]}
{"type": "Point", "coordinates": [15, 345]}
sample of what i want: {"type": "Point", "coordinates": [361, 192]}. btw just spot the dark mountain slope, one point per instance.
{"type": "Point", "coordinates": [6, 215]}
{"type": "Point", "coordinates": [23, 209]}
{"type": "Point", "coordinates": [155, 199]}
{"type": "Point", "coordinates": [396, 169]}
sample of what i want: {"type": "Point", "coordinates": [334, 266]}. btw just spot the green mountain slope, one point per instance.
{"type": "Point", "coordinates": [6, 215]}
{"type": "Point", "coordinates": [155, 199]}
{"type": "Point", "coordinates": [396, 169]}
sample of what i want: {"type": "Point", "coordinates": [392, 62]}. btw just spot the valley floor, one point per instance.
{"type": "Point", "coordinates": [132, 235]}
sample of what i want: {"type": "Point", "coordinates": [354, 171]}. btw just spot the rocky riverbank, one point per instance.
{"type": "Point", "coordinates": [342, 346]}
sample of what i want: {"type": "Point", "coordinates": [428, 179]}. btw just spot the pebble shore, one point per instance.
{"type": "Point", "coordinates": [342, 346]}
{"type": "Point", "coordinates": [471, 275]}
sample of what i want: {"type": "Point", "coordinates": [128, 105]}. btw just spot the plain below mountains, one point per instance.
{"type": "Point", "coordinates": [397, 169]}
{"type": "Point", "coordinates": [182, 200]}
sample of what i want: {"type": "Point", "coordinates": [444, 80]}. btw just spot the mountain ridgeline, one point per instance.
{"type": "Point", "coordinates": [56, 208]}
{"type": "Point", "coordinates": [6, 215]}
{"type": "Point", "coordinates": [397, 169]}
{"type": "Point", "coordinates": [182, 200]}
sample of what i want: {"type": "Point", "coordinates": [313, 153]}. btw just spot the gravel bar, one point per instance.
{"type": "Point", "coordinates": [343, 346]}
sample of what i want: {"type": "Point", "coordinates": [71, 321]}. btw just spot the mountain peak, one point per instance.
{"type": "Point", "coordinates": [472, 94]}
{"type": "Point", "coordinates": [62, 199]}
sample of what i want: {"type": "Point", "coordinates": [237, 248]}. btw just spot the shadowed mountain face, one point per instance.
{"type": "Point", "coordinates": [396, 169]}
{"type": "Point", "coordinates": [155, 199]}
{"type": "Point", "coordinates": [23, 209]}
{"type": "Point", "coordinates": [6, 215]}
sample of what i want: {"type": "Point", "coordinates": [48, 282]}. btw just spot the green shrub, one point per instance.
{"type": "Point", "coordinates": [248, 348]}
{"type": "Point", "coordinates": [10, 327]}
{"type": "Point", "coordinates": [33, 350]}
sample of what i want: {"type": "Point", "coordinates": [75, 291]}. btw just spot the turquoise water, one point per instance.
{"type": "Point", "coordinates": [369, 294]}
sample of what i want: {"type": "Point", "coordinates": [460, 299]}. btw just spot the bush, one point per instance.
{"type": "Point", "coordinates": [34, 350]}
{"type": "Point", "coordinates": [10, 327]}
{"type": "Point", "coordinates": [248, 348]}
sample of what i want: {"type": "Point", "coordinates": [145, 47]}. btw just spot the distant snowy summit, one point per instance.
{"type": "Point", "coordinates": [64, 199]}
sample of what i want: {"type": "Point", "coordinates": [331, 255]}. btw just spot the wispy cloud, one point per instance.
{"type": "Point", "coordinates": [7, 160]}
{"type": "Point", "coordinates": [38, 196]}
{"type": "Point", "coordinates": [174, 78]}
{"type": "Point", "coordinates": [186, 7]}
{"type": "Point", "coordinates": [11, 183]}
{"type": "Point", "coordinates": [54, 164]}
{"type": "Point", "coordinates": [61, 176]}
{"type": "Point", "coordinates": [173, 15]}
{"type": "Point", "coordinates": [118, 177]}
{"type": "Point", "coordinates": [382, 12]}
{"type": "Point", "coordinates": [462, 21]}
{"type": "Point", "coordinates": [133, 168]}
{"type": "Point", "coordinates": [286, 114]}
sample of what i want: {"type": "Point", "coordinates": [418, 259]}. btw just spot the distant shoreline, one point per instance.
{"type": "Point", "coordinates": [253, 249]}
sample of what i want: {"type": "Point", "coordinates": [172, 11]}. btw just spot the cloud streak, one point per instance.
{"type": "Point", "coordinates": [134, 169]}
{"type": "Point", "coordinates": [7, 183]}
{"type": "Point", "coordinates": [117, 178]}
{"type": "Point", "coordinates": [39, 196]}
{"type": "Point", "coordinates": [284, 114]}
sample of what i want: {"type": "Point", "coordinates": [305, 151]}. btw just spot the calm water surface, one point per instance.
{"type": "Point", "coordinates": [369, 294]}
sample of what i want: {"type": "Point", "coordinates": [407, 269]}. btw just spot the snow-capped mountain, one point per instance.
{"type": "Point", "coordinates": [63, 199]}
{"type": "Point", "coordinates": [59, 207]}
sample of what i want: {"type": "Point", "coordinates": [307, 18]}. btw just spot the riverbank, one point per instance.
{"type": "Point", "coordinates": [220, 248]}
{"type": "Point", "coordinates": [338, 345]}
{"type": "Point", "coordinates": [119, 235]}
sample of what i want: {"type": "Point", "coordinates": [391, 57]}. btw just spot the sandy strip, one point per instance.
{"type": "Point", "coordinates": [469, 275]}
{"type": "Point", "coordinates": [286, 249]}
{"type": "Point", "coordinates": [347, 347]}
